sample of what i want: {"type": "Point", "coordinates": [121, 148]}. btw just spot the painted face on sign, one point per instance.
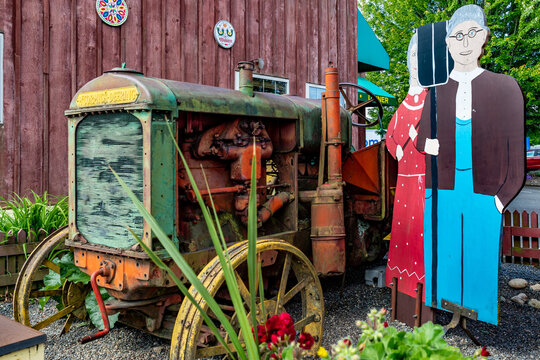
{"type": "Point", "coordinates": [465, 44]}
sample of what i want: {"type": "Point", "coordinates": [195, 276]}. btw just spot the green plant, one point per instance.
{"type": "Point", "coordinates": [32, 214]}
{"type": "Point", "coordinates": [70, 272]}
{"type": "Point", "coordinates": [380, 341]}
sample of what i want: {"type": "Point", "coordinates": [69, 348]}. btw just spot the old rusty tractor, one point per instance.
{"type": "Point", "coordinates": [317, 213]}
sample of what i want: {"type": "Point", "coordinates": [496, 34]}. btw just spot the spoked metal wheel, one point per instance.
{"type": "Point", "coordinates": [40, 262]}
{"type": "Point", "coordinates": [291, 285]}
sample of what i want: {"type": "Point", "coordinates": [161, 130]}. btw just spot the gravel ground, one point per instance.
{"type": "Point", "coordinates": [517, 336]}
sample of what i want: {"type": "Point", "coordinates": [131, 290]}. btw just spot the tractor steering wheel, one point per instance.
{"type": "Point", "coordinates": [355, 109]}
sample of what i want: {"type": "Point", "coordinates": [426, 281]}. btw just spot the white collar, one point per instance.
{"type": "Point", "coordinates": [466, 76]}
{"type": "Point", "coordinates": [416, 90]}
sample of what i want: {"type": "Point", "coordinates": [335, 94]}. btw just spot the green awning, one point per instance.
{"type": "Point", "coordinates": [371, 53]}
{"type": "Point", "coordinates": [384, 97]}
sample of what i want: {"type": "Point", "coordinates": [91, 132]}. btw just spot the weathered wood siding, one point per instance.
{"type": "Point", "coordinates": [52, 48]}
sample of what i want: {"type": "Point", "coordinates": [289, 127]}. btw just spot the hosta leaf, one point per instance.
{"type": "Point", "coordinates": [95, 314]}
{"type": "Point", "coordinates": [70, 272]}
{"type": "Point", "coordinates": [52, 281]}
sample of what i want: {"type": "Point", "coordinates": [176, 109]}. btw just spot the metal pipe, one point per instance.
{"type": "Point", "coordinates": [271, 206]}
{"type": "Point", "coordinates": [327, 215]}
{"type": "Point", "coordinates": [93, 281]}
{"type": "Point", "coordinates": [333, 124]}
{"type": "Point", "coordinates": [245, 77]}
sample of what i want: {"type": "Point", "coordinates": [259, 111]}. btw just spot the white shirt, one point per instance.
{"type": "Point", "coordinates": [464, 92]}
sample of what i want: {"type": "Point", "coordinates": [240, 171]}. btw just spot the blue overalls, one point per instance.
{"type": "Point", "coordinates": [469, 233]}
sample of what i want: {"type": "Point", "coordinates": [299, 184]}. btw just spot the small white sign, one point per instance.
{"type": "Point", "coordinates": [372, 137]}
{"type": "Point", "coordinates": [224, 34]}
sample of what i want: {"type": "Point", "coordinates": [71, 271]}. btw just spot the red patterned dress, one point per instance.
{"type": "Point", "coordinates": [406, 253]}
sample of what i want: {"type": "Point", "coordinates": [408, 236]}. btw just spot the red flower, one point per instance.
{"type": "Point", "coordinates": [385, 324]}
{"type": "Point", "coordinates": [484, 352]}
{"type": "Point", "coordinates": [347, 342]}
{"type": "Point", "coordinates": [279, 326]}
{"type": "Point", "coordinates": [261, 334]}
{"type": "Point", "coordinates": [306, 341]}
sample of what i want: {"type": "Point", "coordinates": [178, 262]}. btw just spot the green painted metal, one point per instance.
{"type": "Point", "coordinates": [174, 96]}
{"type": "Point", "coordinates": [163, 175]}
{"type": "Point", "coordinates": [102, 209]}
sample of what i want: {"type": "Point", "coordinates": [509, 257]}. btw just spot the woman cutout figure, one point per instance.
{"type": "Point", "coordinates": [406, 253]}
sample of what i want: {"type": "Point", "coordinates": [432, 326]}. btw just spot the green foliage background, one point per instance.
{"type": "Point", "coordinates": [513, 48]}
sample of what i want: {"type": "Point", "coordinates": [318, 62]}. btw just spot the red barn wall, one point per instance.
{"type": "Point", "coordinates": [52, 48]}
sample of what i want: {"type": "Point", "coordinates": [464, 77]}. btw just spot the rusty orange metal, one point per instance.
{"type": "Point", "coordinates": [327, 216]}
{"type": "Point", "coordinates": [131, 279]}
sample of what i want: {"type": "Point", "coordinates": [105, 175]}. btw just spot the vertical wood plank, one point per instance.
{"type": "Point", "coordinates": [2, 258]}
{"type": "Point", "coordinates": [332, 32]}
{"type": "Point", "coordinates": [301, 47]}
{"type": "Point", "coordinates": [516, 239]}
{"type": "Point", "coordinates": [73, 47]}
{"type": "Point", "coordinates": [238, 17]}
{"type": "Point", "coordinates": [526, 241]}
{"type": "Point", "coordinates": [86, 42]}
{"type": "Point", "coordinates": [173, 42]}
{"type": "Point", "coordinates": [507, 223]}
{"type": "Point", "coordinates": [252, 29]}
{"type": "Point", "coordinates": [534, 224]}
{"type": "Point", "coordinates": [31, 120]}
{"type": "Point", "coordinates": [132, 32]}
{"type": "Point", "coordinates": [46, 114]}
{"type": "Point", "coordinates": [60, 97]}
{"type": "Point", "coordinates": [152, 38]}
{"type": "Point", "coordinates": [163, 25]}
{"type": "Point", "coordinates": [313, 30]}
{"type": "Point", "coordinates": [535, 244]}
{"type": "Point", "coordinates": [267, 14]}
{"type": "Point", "coordinates": [190, 21]}
{"type": "Point", "coordinates": [21, 239]}
{"type": "Point", "coordinates": [207, 45]}
{"type": "Point", "coordinates": [323, 40]}
{"type": "Point", "coordinates": [342, 44]}
{"type": "Point", "coordinates": [278, 48]}
{"type": "Point", "coordinates": [11, 261]}
{"type": "Point", "coordinates": [99, 45]}
{"type": "Point", "coordinates": [223, 66]}
{"type": "Point", "coordinates": [290, 44]}
{"type": "Point", "coordinates": [18, 99]}
{"type": "Point", "coordinates": [8, 132]}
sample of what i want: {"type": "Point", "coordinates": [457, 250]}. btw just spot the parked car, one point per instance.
{"type": "Point", "coordinates": [533, 160]}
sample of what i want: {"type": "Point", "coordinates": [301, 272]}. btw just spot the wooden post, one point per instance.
{"type": "Point", "coordinates": [394, 298]}
{"type": "Point", "coordinates": [418, 308]}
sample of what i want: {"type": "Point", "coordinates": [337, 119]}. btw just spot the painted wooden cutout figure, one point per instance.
{"type": "Point", "coordinates": [480, 151]}
{"type": "Point", "coordinates": [406, 253]}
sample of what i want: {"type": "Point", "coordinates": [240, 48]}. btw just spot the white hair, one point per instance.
{"type": "Point", "coordinates": [466, 13]}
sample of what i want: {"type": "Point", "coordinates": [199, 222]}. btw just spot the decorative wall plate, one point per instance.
{"type": "Point", "coordinates": [224, 34]}
{"type": "Point", "coordinates": [112, 12]}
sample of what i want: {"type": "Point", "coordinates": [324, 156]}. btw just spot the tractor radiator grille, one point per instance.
{"type": "Point", "coordinates": [103, 209]}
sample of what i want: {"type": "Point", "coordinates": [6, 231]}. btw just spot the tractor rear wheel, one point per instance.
{"type": "Point", "coordinates": [291, 285]}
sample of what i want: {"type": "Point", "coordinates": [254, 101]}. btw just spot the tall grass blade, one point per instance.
{"type": "Point", "coordinates": [171, 249]}
{"type": "Point", "coordinates": [252, 236]}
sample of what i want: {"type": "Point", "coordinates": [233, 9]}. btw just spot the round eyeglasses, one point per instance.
{"type": "Point", "coordinates": [471, 34]}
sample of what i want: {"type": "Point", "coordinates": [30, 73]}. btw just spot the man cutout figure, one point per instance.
{"type": "Point", "coordinates": [481, 168]}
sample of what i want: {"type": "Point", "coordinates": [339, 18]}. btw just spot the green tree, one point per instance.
{"type": "Point", "coordinates": [513, 48]}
